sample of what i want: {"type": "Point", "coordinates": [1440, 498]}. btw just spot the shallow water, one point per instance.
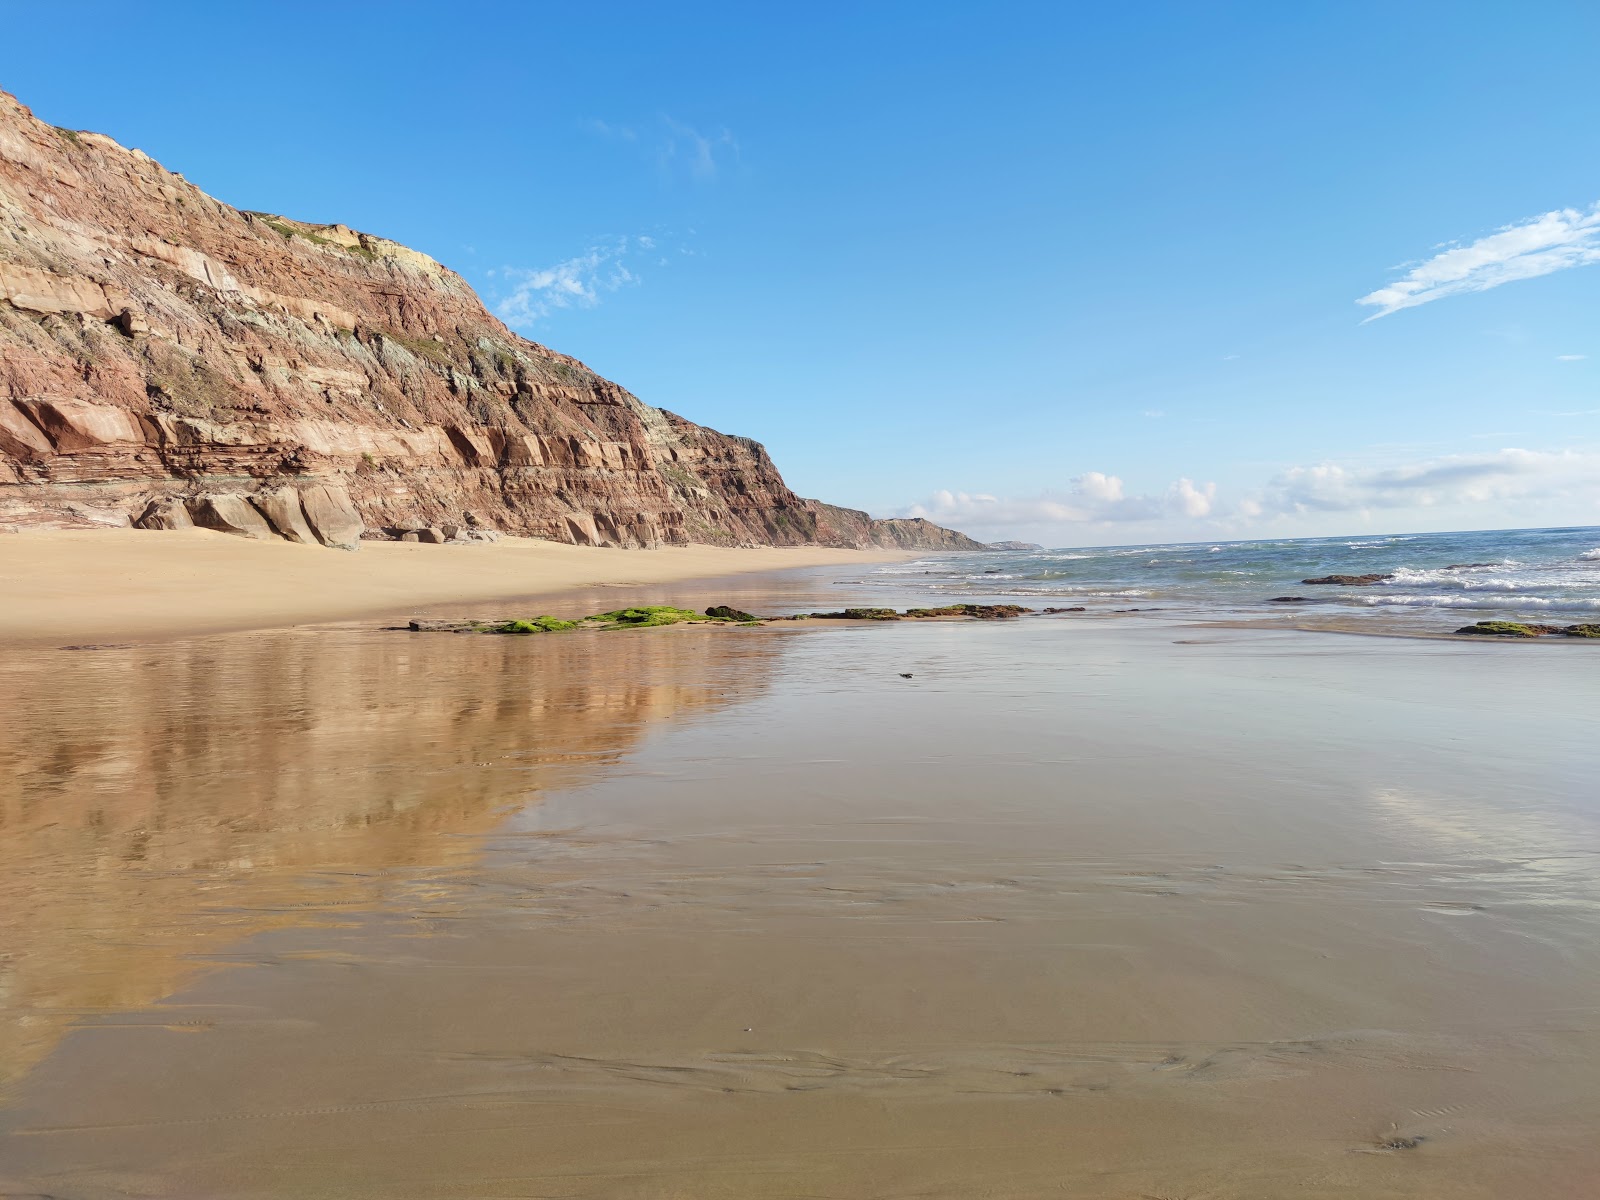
{"type": "Point", "coordinates": [1439, 582]}
{"type": "Point", "coordinates": [1095, 909]}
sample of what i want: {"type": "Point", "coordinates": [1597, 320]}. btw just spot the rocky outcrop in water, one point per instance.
{"type": "Point", "coordinates": [1350, 580]}
{"type": "Point", "coordinates": [167, 360]}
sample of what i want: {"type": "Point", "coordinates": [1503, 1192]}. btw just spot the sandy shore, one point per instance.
{"type": "Point", "coordinates": [1073, 911]}
{"type": "Point", "coordinates": [106, 585]}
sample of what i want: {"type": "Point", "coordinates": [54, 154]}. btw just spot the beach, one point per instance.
{"type": "Point", "coordinates": [1104, 908]}
{"type": "Point", "coordinates": [88, 585]}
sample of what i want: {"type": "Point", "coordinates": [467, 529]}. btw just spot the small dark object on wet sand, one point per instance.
{"type": "Point", "coordinates": [1400, 1142]}
{"type": "Point", "coordinates": [100, 646]}
{"type": "Point", "coordinates": [724, 612]}
{"type": "Point", "coordinates": [1291, 600]}
{"type": "Point", "coordinates": [1074, 608]}
{"type": "Point", "coordinates": [905, 674]}
{"type": "Point", "coordinates": [1350, 580]}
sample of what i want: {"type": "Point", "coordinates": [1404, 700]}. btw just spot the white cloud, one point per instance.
{"type": "Point", "coordinates": [1093, 498]}
{"type": "Point", "coordinates": [575, 283]}
{"type": "Point", "coordinates": [1448, 492]}
{"type": "Point", "coordinates": [1571, 357]}
{"type": "Point", "coordinates": [1454, 480]}
{"type": "Point", "coordinates": [1555, 241]}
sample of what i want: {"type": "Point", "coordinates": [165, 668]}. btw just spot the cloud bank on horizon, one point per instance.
{"type": "Point", "coordinates": [1542, 245]}
{"type": "Point", "coordinates": [1095, 504]}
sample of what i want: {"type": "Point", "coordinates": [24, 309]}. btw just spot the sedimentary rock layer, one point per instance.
{"type": "Point", "coordinates": [165, 359]}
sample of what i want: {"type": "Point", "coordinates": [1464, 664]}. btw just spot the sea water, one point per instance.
{"type": "Point", "coordinates": [1545, 575]}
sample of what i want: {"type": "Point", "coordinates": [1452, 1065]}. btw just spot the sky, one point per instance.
{"type": "Point", "coordinates": [1077, 274]}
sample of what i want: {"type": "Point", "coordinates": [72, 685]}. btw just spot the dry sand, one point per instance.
{"type": "Point", "coordinates": [116, 584]}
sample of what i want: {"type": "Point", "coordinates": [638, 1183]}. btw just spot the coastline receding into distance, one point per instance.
{"type": "Point", "coordinates": [451, 752]}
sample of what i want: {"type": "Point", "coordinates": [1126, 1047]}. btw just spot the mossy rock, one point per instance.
{"type": "Point", "coordinates": [1583, 631]}
{"type": "Point", "coordinates": [724, 612]}
{"type": "Point", "coordinates": [545, 624]}
{"type": "Point", "coordinates": [647, 616]}
{"type": "Point", "coordinates": [1504, 629]}
{"type": "Point", "coordinates": [982, 612]}
{"type": "Point", "coordinates": [860, 614]}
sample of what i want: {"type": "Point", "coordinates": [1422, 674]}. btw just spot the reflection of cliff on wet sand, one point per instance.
{"type": "Point", "coordinates": [160, 803]}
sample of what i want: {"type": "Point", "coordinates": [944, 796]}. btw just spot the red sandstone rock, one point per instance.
{"type": "Point", "coordinates": [282, 511]}
{"type": "Point", "coordinates": [230, 514]}
{"type": "Point", "coordinates": [158, 346]}
{"type": "Point", "coordinates": [331, 515]}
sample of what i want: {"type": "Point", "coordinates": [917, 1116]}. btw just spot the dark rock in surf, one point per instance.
{"type": "Point", "coordinates": [1350, 580]}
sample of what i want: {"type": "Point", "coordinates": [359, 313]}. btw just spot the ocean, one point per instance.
{"type": "Point", "coordinates": [1437, 582]}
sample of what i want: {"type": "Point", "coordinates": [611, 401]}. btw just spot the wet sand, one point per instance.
{"type": "Point", "coordinates": [107, 585]}
{"type": "Point", "coordinates": [1096, 909]}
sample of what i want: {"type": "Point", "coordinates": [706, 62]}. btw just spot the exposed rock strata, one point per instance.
{"type": "Point", "coordinates": [166, 359]}
{"type": "Point", "coordinates": [837, 526]}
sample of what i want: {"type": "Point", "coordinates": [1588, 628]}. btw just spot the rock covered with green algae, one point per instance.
{"type": "Point", "coordinates": [545, 624]}
{"type": "Point", "coordinates": [981, 612]}
{"type": "Point", "coordinates": [1520, 629]}
{"type": "Point", "coordinates": [639, 617]}
{"type": "Point", "coordinates": [654, 615]}
{"type": "Point", "coordinates": [646, 616]}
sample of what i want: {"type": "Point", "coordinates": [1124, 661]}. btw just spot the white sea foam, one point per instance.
{"type": "Point", "coordinates": [1567, 604]}
{"type": "Point", "coordinates": [1590, 555]}
{"type": "Point", "coordinates": [1405, 577]}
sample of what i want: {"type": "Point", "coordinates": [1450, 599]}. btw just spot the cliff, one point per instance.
{"type": "Point", "coordinates": [851, 527]}
{"type": "Point", "coordinates": [166, 359]}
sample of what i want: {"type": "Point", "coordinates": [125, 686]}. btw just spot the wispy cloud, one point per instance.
{"type": "Point", "coordinates": [1571, 357]}
{"type": "Point", "coordinates": [606, 129]}
{"type": "Point", "coordinates": [1555, 241]}
{"type": "Point", "coordinates": [675, 145]}
{"type": "Point", "coordinates": [701, 152]}
{"type": "Point", "coordinates": [573, 283]}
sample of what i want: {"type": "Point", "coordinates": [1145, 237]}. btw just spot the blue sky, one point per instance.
{"type": "Point", "coordinates": [1077, 273]}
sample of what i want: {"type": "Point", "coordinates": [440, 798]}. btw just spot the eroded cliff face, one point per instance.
{"type": "Point", "coordinates": [166, 359]}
